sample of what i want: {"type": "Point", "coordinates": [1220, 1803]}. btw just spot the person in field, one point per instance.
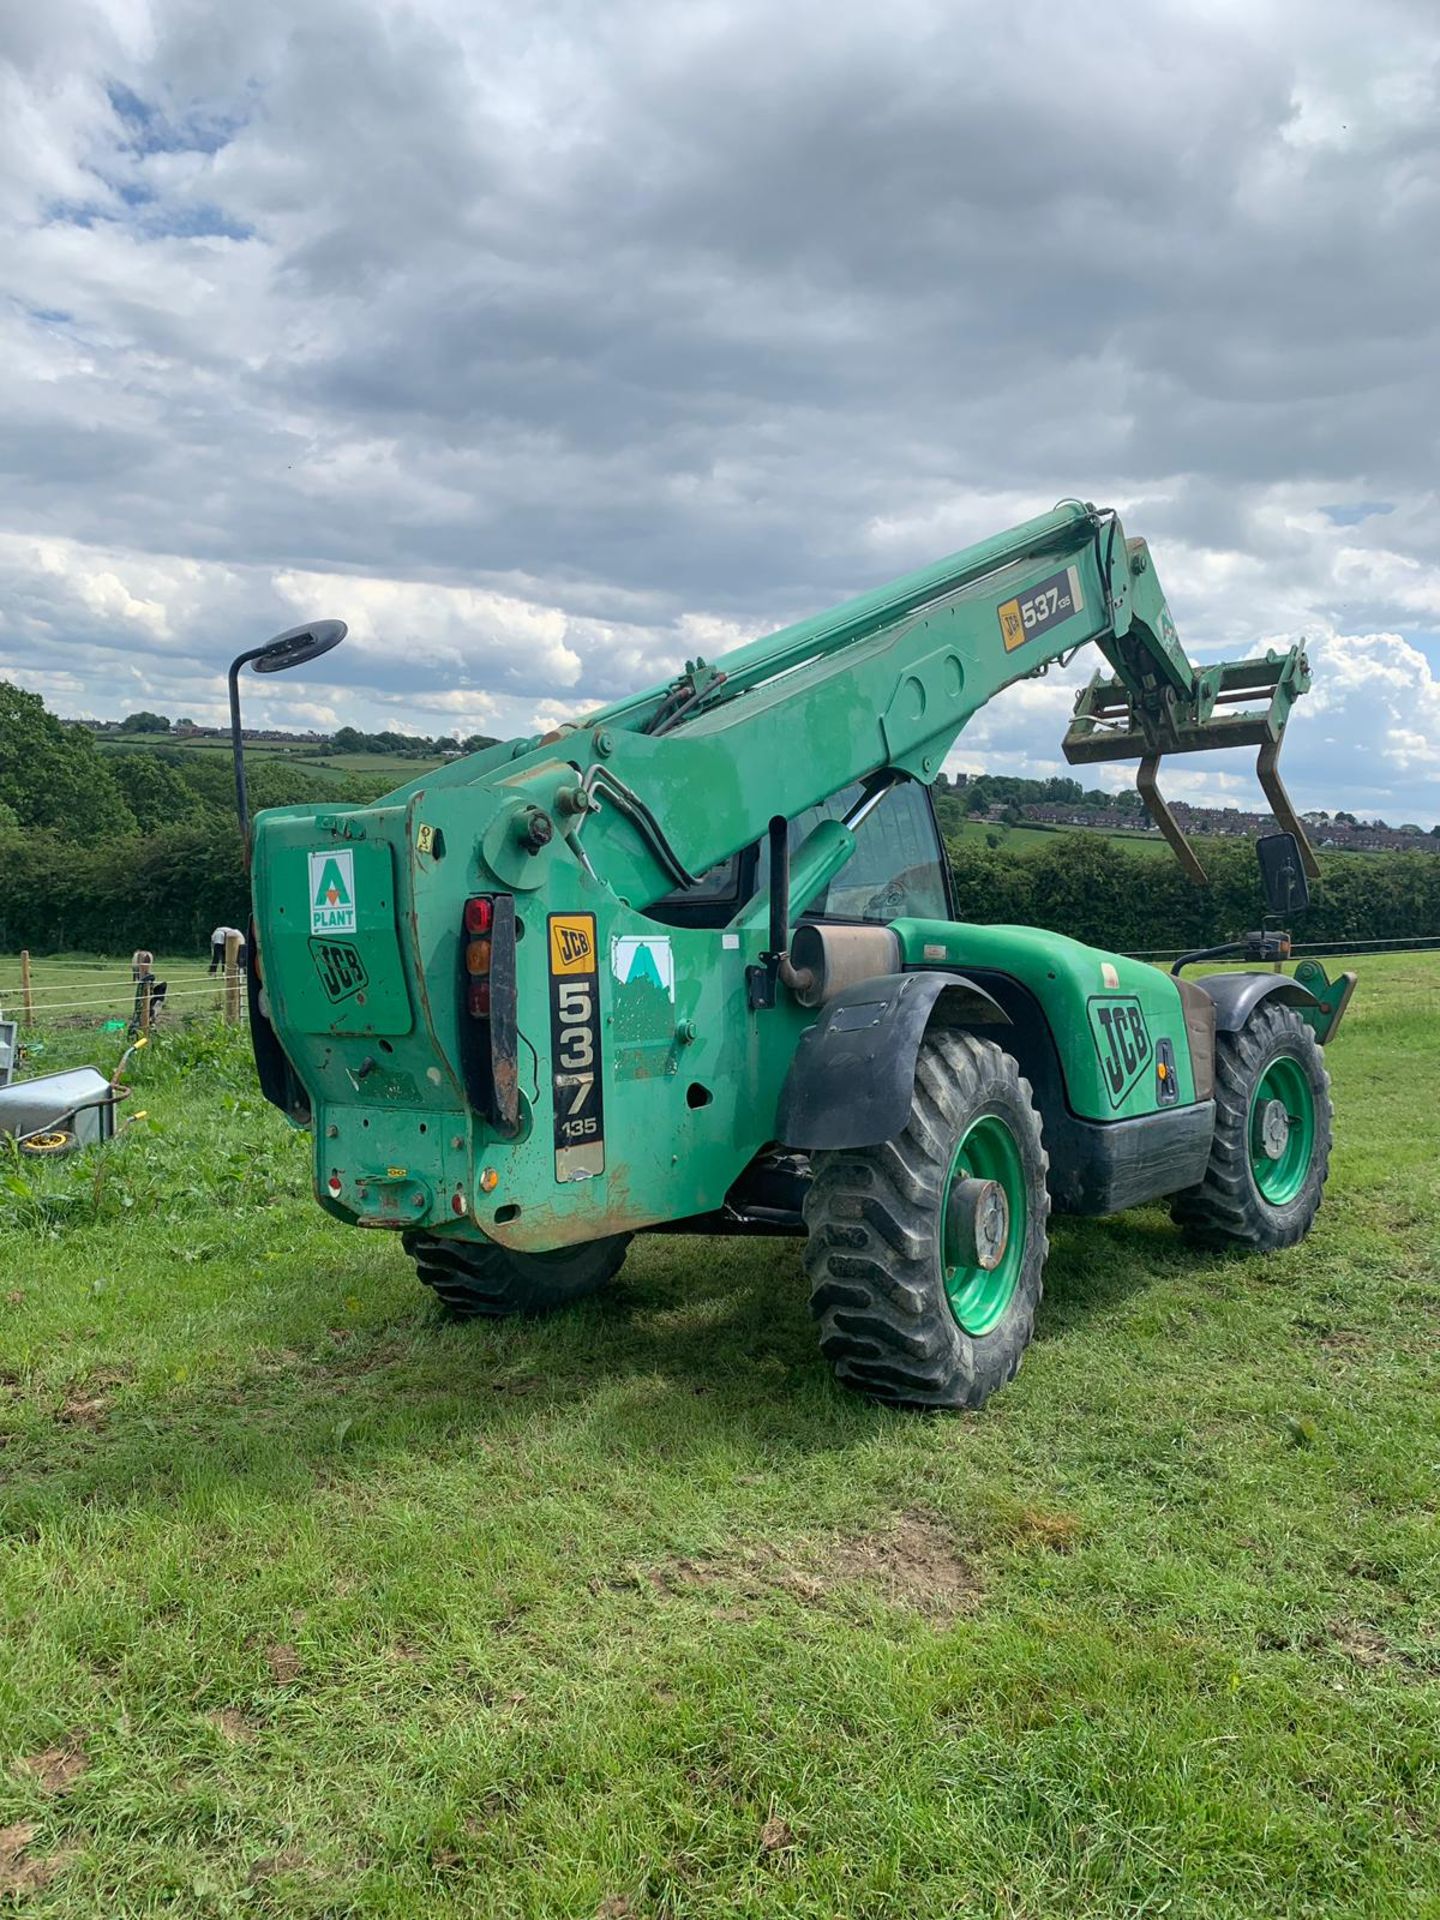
{"type": "Point", "coordinates": [217, 947]}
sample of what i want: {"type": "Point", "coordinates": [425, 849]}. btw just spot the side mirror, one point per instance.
{"type": "Point", "coordinates": [299, 644]}
{"type": "Point", "coordinates": [289, 649]}
{"type": "Point", "coordinates": [1282, 875]}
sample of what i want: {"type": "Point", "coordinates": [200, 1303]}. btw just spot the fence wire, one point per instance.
{"type": "Point", "coordinates": [109, 1005]}
{"type": "Point", "coordinates": [1320, 949]}
{"type": "Point", "coordinates": [88, 988]}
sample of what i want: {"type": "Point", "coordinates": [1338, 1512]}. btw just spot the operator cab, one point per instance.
{"type": "Point", "coordinates": [898, 866]}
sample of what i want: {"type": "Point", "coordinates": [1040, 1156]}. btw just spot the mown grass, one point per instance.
{"type": "Point", "coordinates": [314, 1604]}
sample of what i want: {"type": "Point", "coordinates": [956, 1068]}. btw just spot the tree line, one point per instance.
{"type": "Point", "coordinates": [53, 777]}
{"type": "Point", "coordinates": [981, 791]}
{"type": "Point", "coordinates": [109, 852]}
{"type": "Point", "coordinates": [167, 889]}
{"type": "Point", "coordinates": [407, 746]}
{"type": "Point", "coordinates": [1095, 890]}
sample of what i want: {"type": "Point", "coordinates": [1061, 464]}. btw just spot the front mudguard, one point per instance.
{"type": "Point", "coordinates": [1236, 995]}
{"type": "Point", "coordinates": [852, 1078]}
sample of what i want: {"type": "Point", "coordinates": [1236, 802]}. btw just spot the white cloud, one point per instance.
{"type": "Point", "coordinates": [552, 350]}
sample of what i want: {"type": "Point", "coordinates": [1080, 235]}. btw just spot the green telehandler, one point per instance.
{"type": "Point", "coordinates": [691, 965]}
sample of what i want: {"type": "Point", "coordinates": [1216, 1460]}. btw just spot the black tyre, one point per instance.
{"type": "Point", "coordinates": [477, 1279]}
{"type": "Point", "coordinates": [1271, 1151]}
{"type": "Point", "coordinates": [926, 1254]}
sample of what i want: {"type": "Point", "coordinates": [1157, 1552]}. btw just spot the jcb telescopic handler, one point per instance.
{"type": "Point", "coordinates": [692, 965]}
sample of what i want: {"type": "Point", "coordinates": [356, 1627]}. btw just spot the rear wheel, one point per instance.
{"type": "Point", "coordinates": [1271, 1151]}
{"type": "Point", "coordinates": [476, 1279]}
{"type": "Point", "coordinates": [925, 1254]}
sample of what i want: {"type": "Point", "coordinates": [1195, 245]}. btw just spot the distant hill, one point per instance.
{"type": "Point", "coordinates": [347, 764]}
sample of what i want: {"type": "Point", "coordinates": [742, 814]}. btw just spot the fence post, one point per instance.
{"type": "Point", "coordinates": [232, 979]}
{"type": "Point", "coordinates": [27, 998]}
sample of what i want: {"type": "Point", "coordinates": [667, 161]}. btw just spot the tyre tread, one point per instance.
{"type": "Point", "coordinates": [477, 1279]}
{"type": "Point", "coordinates": [870, 1215]}
{"type": "Point", "coordinates": [1226, 1208]}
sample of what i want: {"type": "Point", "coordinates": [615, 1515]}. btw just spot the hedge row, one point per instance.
{"type": "Point", "coordinates": [1093, 889]}
{"type": "Point", "coordinates": [168, 889]}
{"type": "Point", "coordinates": [165, 891]}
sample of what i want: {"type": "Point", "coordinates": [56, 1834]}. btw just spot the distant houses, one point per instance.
{"type": "Point", "coordinates": [1344, 835]}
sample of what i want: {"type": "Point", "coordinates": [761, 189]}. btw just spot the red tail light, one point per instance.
{"type": "Point", "coordinates": [479, 924]}
{"type": "Point", "coordinates": [487, 993]}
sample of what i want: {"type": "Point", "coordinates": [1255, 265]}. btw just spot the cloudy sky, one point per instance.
{"type": "Point", "coordinates": [548, 345]}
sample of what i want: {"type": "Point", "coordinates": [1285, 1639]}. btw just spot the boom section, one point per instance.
{"type": "Point", "coordinates": [888, 681]}
{"type": "Point", "coordinates": [651, 792]}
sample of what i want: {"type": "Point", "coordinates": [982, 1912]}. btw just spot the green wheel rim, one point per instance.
{"type": "Point", "coordinates": [978, 1296]}
{"type": "Point", "coordinates": [1283, 1085]}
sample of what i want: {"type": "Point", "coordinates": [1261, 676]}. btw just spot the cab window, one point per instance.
{"type": "Point", "coordinates": [897, 866]}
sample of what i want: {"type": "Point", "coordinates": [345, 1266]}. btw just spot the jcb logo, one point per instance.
{"type": "Point", "coordinates": [572, 944]}
{"type": "Point", "coordinates": [1122, 1040]}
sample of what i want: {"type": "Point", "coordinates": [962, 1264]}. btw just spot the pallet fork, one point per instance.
{"type": "Point", "coordinates": [1139, 717]}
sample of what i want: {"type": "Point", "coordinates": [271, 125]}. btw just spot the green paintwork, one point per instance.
{"type": "Point", "coordinates": [300, 998]}
{"type": "Point", "coordinates": [1331, 998]}
{"type": "Point", "coordinates": [691, 1074]}
{"type": "Point", "coordinates": [987, 1150]}
{"type": "Point", "coordinates": [1070, 980]}
{"type": "Point", "coordinates": [1279, 1180]}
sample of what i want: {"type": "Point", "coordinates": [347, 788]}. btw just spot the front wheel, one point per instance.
{"type": "Point", "coordinates": [1271, 1150]}
{"type": "Point", "coordinates": [925, 1254]}
{"type": "Point", "coordinates": [476, 1279]}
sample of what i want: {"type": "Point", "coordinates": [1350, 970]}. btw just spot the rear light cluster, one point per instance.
{"type": "Point", "coordinates": [479, 921]}
{"type": "Point", "coordinates": [488, 1037]}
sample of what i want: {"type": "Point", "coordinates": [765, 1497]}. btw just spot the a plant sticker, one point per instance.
{"type": "Point", "coordinates": [332, 892]}
{"type": "Point", "coordinates": [643, 960]}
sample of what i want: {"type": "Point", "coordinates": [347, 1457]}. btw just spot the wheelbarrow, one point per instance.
{"type": "Point", "coordinates": [57, 1113]}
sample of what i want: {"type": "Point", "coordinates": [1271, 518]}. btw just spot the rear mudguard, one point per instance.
{"type": "Point", "coordinates": [851, 1081]}
{"type": "Point", "coordinates": [1236, 995]}
{"type": "Point", "coordinates": [278, 1080]}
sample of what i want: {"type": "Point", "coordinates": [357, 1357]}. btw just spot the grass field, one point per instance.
{"type": "Point", "coordinates": [314, 1604]}
{"type": "Point", "coordinates": [1040, 839]}
{"type": "Point", "coordinates": [300, 752]}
